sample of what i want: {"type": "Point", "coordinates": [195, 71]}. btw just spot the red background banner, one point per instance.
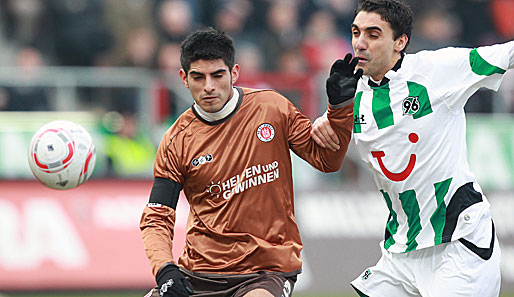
{"type": "Point", "coordinates": [87, 237]}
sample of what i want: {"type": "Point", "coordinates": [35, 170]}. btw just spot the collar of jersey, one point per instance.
{"type": "Point", "coordinates": [214, 118]}
{"type": "Point", "coordinates": [390, 74]}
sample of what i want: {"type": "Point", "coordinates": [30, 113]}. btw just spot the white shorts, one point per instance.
{"type": "Point", "coordinates": [450, 269]}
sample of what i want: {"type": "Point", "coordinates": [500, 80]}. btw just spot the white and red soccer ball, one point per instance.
{"type": "Point", "coordinates": [62, 155]}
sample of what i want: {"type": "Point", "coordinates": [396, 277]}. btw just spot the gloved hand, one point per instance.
{"type": "Point", "coordinates": [342, 83]}
{"type": "Point", "coordinates": [172, 283]}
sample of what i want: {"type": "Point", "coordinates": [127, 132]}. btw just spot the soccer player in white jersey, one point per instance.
{"type": "Point", "coordinates": [409, 128]}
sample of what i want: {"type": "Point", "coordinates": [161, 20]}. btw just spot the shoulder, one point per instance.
{"type": "Point", "coordinates": [180, 127]}
{"type": "Point", "coordinates": [266, 99]}
{"type": "Point", "coordinates": [263, 94]}
{"type": "Point", "coordinates": [445, 55]}
{"type": "Point", "coordinates": [436, 64]}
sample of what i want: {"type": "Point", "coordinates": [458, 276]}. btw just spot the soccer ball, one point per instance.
{"type": "Point", "coordinates": [62, 155]}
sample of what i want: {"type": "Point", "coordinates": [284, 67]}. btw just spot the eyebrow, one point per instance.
{"type": "Point", "coordinates": [212, 73]}
{"type": "Point", "coordinates": [372, 28]}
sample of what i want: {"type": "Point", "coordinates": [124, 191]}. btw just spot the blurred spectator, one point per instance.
{"type": "Point", "coordinates": [123, 17]}
{"type": "Point", "coordinates": [175, 20]}
{"type": "Point", "coordinates": [168, 58]}
{"type": "Point", "coordinates": [292, 61]}
{"type": "Point", "coordinates": [503, 17]}
{"type": "Point", "coordinates": [322, 44]}
{"type": "Point", "coordinates": [249, 57]}
{"type": "Point", "coordinates": [26, 97]}
{"type": "Point", "coordinates": [341, 12]}
{"type": "Point", "coordinates": [231, 17]}
{"type": "Point", "coordinates": [282, 32]}
{"type": "Point", "coordinates": [22, 20]}
{"type": "Point", "coordinates": [130, 152]}
{"type": "Point", "coordinates": [434, 29]}
{"type": "Point", "coordinates": [81, 36]}
{"type": "Point", "coordinates": [140, 48]}
{"type": "Point", "coordinates": [168, 64]}
{"type": "Point", "coordinates": [475, 17]}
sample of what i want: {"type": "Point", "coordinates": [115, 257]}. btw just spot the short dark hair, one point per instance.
{"type": "Point", "coordinates": [397, 13]}
{"type": "Point", "coordinates": [207, 44]}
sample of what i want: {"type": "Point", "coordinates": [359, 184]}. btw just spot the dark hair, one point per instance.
{"type": "Point", "coordinates": [207, 44]}
{"type": "Point", "coordinates": [397, 13]}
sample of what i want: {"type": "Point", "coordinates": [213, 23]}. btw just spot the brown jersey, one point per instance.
{"type": "Point", "coordinates": [237, 177]}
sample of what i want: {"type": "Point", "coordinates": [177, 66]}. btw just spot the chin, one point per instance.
{"type": "Point", "coordinates": [212, 109]}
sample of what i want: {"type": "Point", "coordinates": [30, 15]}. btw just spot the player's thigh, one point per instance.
{"type": "Point", "coordinates": [389, 277]}
{"type": "Point", "coordinates": [463, 273]}
{"type": "Point", "coordinates": [258, 293]}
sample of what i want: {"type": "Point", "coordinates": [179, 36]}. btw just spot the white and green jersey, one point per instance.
{"type": "Point", "coordinates": [410, 130]}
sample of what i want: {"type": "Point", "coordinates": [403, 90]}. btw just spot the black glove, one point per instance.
{"type": "Point", "coordinates": [172, 283]}
{"type": "Point", "coordinates": [342, 83]}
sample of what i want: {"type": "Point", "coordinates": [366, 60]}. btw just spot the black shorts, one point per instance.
{"type": "Point", "coordinates": [237, 285]}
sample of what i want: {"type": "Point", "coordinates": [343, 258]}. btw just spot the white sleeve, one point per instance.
{"type": "Point", "coordinates": [511, 54]}
{"type": "Point", "coordinates": [457, 73]}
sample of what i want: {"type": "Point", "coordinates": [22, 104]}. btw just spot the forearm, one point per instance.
{"type": "Point", "coordinates": [320, 157]}
{"type": "Point", "coordinates": [157, 231]}
{"type": "Point", "coordinates": [341, 120]}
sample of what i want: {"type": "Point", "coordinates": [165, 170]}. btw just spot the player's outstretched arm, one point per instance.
{"type": "Point", "coordinates": [326, 150]}
{"type": "Point", "coordinates": [341, 87]}
{"type": "Point", "coordinates": [158, 222]}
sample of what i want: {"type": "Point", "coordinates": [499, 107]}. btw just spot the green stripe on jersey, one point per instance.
{"type": "Point", "coordinates": [392, 225]}
{"type": "Point", "coordinates": [421, 103]}
{"type": "Point", "coordinates": [438, 218]}
{"type": "Point", "coordinates": [411, 208]}
{"type": "Point", "coordinates": [481, 66]}
{"type": "Point", "coordinates": [356, 116]}
{"type": "Point", "coordinates": [381, 106]}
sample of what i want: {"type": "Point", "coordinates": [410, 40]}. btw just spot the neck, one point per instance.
{"type": "Point", "coordinates": [221, 114]}
{"type": "Point", "coordinates": [396, 56]}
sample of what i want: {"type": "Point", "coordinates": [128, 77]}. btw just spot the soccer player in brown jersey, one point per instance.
{"type": "Point", "coordinates": [230, 154]}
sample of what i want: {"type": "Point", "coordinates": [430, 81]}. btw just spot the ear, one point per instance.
{"type": "Point", "coordinates": [235, 73]}
{"type": "Point", "coordinates": [183, 76]}
{"type": "Point", "coordinates": [400, 43]}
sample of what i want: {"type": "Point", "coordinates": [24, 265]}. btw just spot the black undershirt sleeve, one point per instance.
{"type": "Point", "coordinates": [165, 192]}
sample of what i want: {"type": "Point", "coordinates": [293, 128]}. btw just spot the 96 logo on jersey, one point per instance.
{"type": "Point", "coordinates": [410, 105]}
{"type": "Point", "coordinates": [265, 132]}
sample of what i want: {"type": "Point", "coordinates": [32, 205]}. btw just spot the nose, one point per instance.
{"type": "Point", "coordinates": [209, 85]}
{"type": "Point", "coordinates": [359, 43]}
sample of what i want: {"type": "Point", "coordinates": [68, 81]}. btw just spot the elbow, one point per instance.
{"type": "Point", "coordinates": [331, 167]}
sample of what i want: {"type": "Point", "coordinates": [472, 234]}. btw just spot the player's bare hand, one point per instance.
{"type": "Point", "coordinates": [324, 135]}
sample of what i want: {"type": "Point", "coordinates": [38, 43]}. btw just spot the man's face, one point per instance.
{"type": "Point", "coordinates": [210, 83]}
{"type": "Point", "coordinates": [374, 44]}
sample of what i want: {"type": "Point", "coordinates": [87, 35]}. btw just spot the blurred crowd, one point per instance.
{"type": "Point", "coordinates": [284, 36]}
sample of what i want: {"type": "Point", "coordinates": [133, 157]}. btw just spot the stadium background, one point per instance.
{"type": "Point", "coordinates": [112, 66]}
